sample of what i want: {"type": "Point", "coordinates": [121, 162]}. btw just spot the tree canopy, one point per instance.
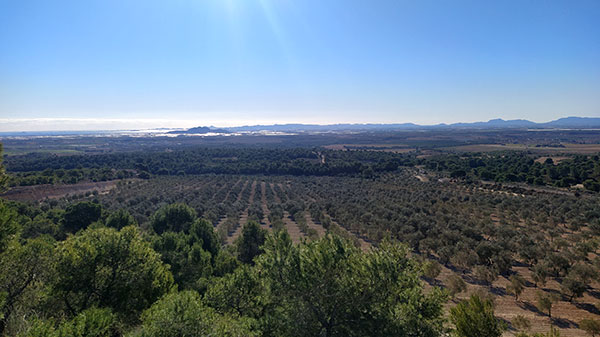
{"type": "Point", "coordinates": [104, 267]}
{"type": "Point", "coordinates": [474, 318]}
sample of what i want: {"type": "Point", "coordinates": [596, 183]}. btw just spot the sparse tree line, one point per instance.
{"type": "Point", "coordinates": [506, 166]}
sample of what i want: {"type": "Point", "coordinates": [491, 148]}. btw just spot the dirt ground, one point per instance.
{"type": "Point", "coordinates": [396, 148]}
{"type": "Point", "coordinates": [566, 315]}
{"type": "Point", "coordinates": [40, 192]}
{"type": "Point", "coordinates": [555, 159]}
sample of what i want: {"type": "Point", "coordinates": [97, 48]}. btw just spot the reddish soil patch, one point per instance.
{"type": "Point", "coordinates": [244, 217]}
{"type": "Point", "coordinates": [221, 221]}
{"type": "Point", "coordinates": [266, 224]}
{"type": "Point", "coordinates": [239, 197]}
{"type": "Point", "coordinates": [40, 192]}
{"type": "Point", "coordinates": [396, 148]}
{"type": "Point", "coordinates": [566, 316]}
{"type": "Point", "coordinates": [275, 196]}
{"type": "Point", "coordinates": [292, 227]}
{"type": "Point", "coordinates": [565, 148]}
{"type": "Point", "coordinates": [364, 245]}
{"type": "Point", "coordinates": [311, 224]}
{"type": "Point", "coordinates": [229, 191]}
{"type": "Point", "coordinates": [556, 160]}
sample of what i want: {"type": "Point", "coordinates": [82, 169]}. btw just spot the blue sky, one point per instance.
{"type": "Point", "coordinates": [232, 62]}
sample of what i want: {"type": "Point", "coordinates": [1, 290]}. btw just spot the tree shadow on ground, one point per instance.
{"type": "Point", "coordinates": [529, 284]}
{"type": "Point", "coordinates": [552, 291]}
{"type": "Point", "coordinates": [520, 264]}
{"type": "Point", "coordinates": [594, 293]}
{"type": "Point", "coordinates": [498, 291]}
{"type": "Point", "coordinates": [530, 307]}
{"type": "Point", "coordinates": [432, 282]}
{"type": "Point", "coordinates": [587, 307]}
{"type": "Point", "coordinates": [470, 279]}
{"type": "Point", "coordinates": [564, 323]}
{"type": "Point", "coordinates": [458, 270]}
{"type": "Point", "coordinates": [508, 324]}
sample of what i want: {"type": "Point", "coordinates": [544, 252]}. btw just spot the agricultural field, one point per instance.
{"type": "Point", "coordinates": [513, 226]}
{"type": "Point", "coordinates": [48, 191]}
{"type": "Point", "coordinates": [479, 233]}
{"type": "Point", "coordinates": [552, 149]}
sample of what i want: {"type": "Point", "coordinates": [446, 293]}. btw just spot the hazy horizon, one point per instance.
{"type": "Point", "coordinates": [98, 124]}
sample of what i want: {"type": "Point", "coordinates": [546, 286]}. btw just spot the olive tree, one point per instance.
{"type": "Point", "coordinates": [516, 286]}
{"type": "Point", "coordinates": [545, 302]}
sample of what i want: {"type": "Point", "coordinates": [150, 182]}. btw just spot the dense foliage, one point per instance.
{"type": "Point", "coordinates": [521, 167]}
{"type": "Point", "coordinates": [71, 176]}
{"type": "Point", "coordinates": [200, 161]}
{"type": "Point", "coordinates": [475, 317]}
{"type": "Point", "coordinates": [107, 268]}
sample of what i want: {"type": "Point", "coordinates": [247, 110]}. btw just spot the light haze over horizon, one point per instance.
{"type": "Point", "coordinates": [81, 65]}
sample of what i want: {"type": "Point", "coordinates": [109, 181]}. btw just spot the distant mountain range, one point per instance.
{"type": "Point", "coordinates": [572, 123]}
{"type": "Point", "coordinates": [567, 122]}
{"type": "Point", "coordinates": [562, 123]}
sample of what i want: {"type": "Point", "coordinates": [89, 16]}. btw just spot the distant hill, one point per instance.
{"type": "Point", "coordinates": [322, 128]}
{"type": "Point", "coordinates": [575, 122]}
{"type": "Point", "coordinates": [199, 130]}
{"type": "Point", "coordinates": [497, 123]}
{"type": "Point", "coordinates": [562, 123]}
